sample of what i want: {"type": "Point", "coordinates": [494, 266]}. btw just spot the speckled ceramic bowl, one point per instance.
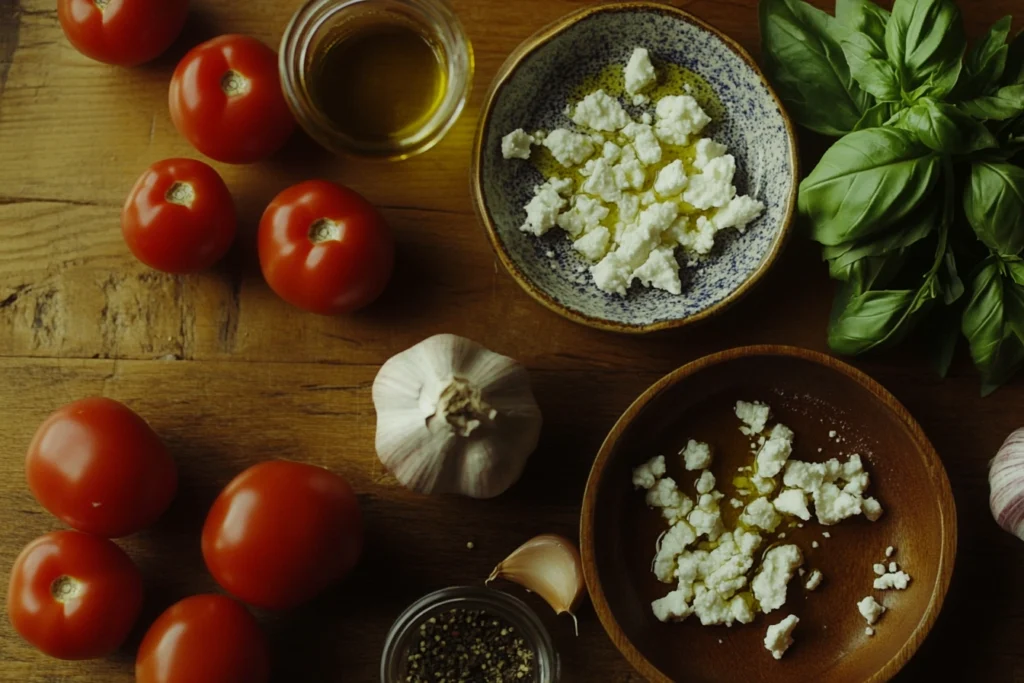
{"type": "Point", "coordinates": [531, 91]}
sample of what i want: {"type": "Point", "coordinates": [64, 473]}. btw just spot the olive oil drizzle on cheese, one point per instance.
{"type": "Point", "coordinates": [379, 82]}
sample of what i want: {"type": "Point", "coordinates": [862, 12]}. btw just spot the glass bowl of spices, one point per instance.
{"type": "Point", "coordinates": [379, 78]}
{"type": "Point", "coordinates": [469, 634]}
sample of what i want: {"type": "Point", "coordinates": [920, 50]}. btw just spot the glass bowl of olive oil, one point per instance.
{"type": "Point", "coordinates": [381, 78]}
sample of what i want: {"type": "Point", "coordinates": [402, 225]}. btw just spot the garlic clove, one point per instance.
{"type": "Point", "coordinates": [550, 566]}
{"type": "Point", "coordinates": [1006, 484]}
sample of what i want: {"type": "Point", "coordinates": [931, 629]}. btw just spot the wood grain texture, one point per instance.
{"type": "Point", "coordinates": [230, 375]}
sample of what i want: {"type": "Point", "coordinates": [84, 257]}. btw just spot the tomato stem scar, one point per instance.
{"type": "Point", "coordinates": [101, 4]}
{"type": "Point", "coordinates": [181, 193]}
{"type": "Point", "coordinates": [65, 588]}
{"type": "Point", "coordinates": [324, 230]}
{"type": "Point", "coordinates": [234, 83]}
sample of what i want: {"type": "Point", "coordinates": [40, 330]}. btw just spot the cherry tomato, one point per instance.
{"type": "Point", "coordinates": [122, 32]}
{"type": "Point", "coordinates": [73, 595]}
{"type": "Point", "coordinates": [100, 468]}
{"type": "Point", "coordinates": [324, 248]}
{"type": "Point", "coordinates": [281, 532]}
{"type": "Point", "coordinates": [203, 639]}
{"type": "Point", "coordinates": [179, 217]}
{"type": "Point", "coordinates": [226, 100]}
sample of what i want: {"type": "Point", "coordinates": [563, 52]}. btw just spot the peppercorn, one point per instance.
{"type": "Point", "coordinates": [469, 646]}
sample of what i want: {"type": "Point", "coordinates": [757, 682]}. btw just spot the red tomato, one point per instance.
{"type": "Point", "coordinates": [281, 532]}
{"type": "Point", "coordinates": [226, 100]}
{"type": "Point", "coordinates": [100, 468]}
{"type": "Point", "coordinates": [324, 248]}
{"type": "Point", "coordinates": [74, 596]}
{"type": "Point", "coordinates": [179, 217]}
{"type": "Point", "coordinates": [203, 639]}
{"type": "Point", "coordinates": [122, 32]}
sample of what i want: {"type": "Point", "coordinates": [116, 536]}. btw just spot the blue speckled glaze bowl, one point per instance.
{"type": "Point", "coordinates": [531, 91]}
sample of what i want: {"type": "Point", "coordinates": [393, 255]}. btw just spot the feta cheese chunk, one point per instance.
{"type": "Point", "coordinates": [706, 150]}
{"type": "Point", "coordinates": [594, 245]}
{"type": "Point", "coordinates": [585, 215]}
{"type": "Point", "coordinates": [612, 274]}
{"type": "Point", "coordinates": [677, 117]}
{"type": "Point", "coordinates": [516, 145]}
{"type": "Point", "coordinates": [542, 211]}
{"type": "Point", "coordinates": [776, 451]}
{"type": "Point", "coordinates": [601, 181]}
{"type": "Point", "coordinates": [814, 580]}
{"type": "Point", "coordinates": [660, 271]}
{"type": "Point", "coordinates": [895, 581]}
{"type": "Point", "coordinates": [600, 111]}
{"type": "Point", "coordinates": [639, 73]}
{"type": "Point", "coordinates": [672, 607]}
{"type": "Point", "coordinates": [777, 568]}
{"type": "Point", "coordinates": [713, 186]}
{"type": "Point", "coordinates": [646, 475]}
{"type": "Point", "coordinates": [793, 502]}
{"type": "Point", "coordinates": [879, 568]}
{"type": "Point", "coordinates": [872, 509]}
{"type": "Point", "coordinates": [664, 494]}
{"type": "Point", "coordinates": [761, 514]}
{"type": "Point", "coordinates": [706, 482]}
{"type": "Point", "coordinates": [671, 179]}
{"type": "Point", "coordinates": [700, 239]}
{"type": "Point", "coordinates": [570, 149]}
{"type": "Point", "coordinates": [696, 455]}
{"type": "Point", "coordinates": [706, 519]}
{"type": "Point", "coordinates": [870, 609]}
{"type": "Point", "coordinates": [890, 551]}
{"type": "Point", "coordinates": [738, 213]}
{"type": "Point", "coordinates": [671, 546]}
{"type": "Point", "coordinates": [754, 416]}
{"type": "Point", "coordinates": [779, 637]}
{"type": "Point", "coordinates": [832, 505]}
{"type": "Point", "coordinates": [645, 143]}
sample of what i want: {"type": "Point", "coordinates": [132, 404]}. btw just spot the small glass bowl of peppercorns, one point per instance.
{"type": "Point", "coordinates": [469, 634]}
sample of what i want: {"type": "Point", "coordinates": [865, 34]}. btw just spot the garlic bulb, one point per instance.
{"type": "Point", "coordinates": [550, 566]}
{"type": "Point", "coordinates": [453, 417]}
{"type": "Point", "coordinates": [1006, 484]}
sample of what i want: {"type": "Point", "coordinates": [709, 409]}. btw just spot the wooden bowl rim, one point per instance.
{"type": "Point", "coordinates": [947, 506]}
{"type": "Point", "coordinates": [505, 72]}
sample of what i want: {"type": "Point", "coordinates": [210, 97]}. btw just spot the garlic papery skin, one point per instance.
{"type": "Point", "coordinates": [550, 566]}
{"type": "Point", "coordinates": [454, 417]}
{"type": "Point", "coordinates": [1006, 484]}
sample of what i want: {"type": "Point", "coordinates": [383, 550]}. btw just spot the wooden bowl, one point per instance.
{"type": "Point", "coordinates": [813, 394]}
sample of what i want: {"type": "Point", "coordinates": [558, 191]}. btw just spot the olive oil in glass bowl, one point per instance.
{"type": "Point", "coordinates": [383, 78]}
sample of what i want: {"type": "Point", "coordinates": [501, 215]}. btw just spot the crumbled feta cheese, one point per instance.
{"type": "Point", "coordinates": [648, 151]}
{"type": "Point", "coordinates": [700, 239]}
{"type": "Point", "coordinates": [879, 568]}
{"type": "Point", "coordinates": [706, 482]}
{"type": "Point", "coordinates": [585, 215]}
{"type": "Point", "coordinates": [872, 509]}
{"type": "Point", "coordinates": [601, 181]}
{"type": "Point", "coordinates": [646, 118]}
{"type": "Point", "coordinates": [713, 186]}
{"type": "Point", "coordinates": [706, 150]}
{"type": "Point", "coordinates": [870, 609]}
{"type": "Point", "coordinates": [675, 513]}
{"type": "Point", "coordinates": [793, 502]}
{"type": "Point", "coordinates": [832, 434]}
{"type": "Point", "coordinates": [897, 581]}
{"type": "Point", "coordinates": [893, 567]}
{"type": "Point", "coordinates": [706, 519]}
{"type": "Point", "coordinates": [776, 451]}
{"type": "Point", "coordinates": [570, 149]}
{"type": "Point", "coordinates": [754, 416]}
{"type": "Point", "coordinates": [779, 637]}
{"type": "Point", "coordinates": [814, 544]}
{"type": "Point", "coordinates": [646, 475]}
{"type": "Point", "coordinates": [696, 455]}
{"type": "Point", "coordinates": [594, 245]}
{"type": "Point", "coordinates": [672, 607]}
{"type": "Point", "coordinates": [869, 631]}
{"type": "Point", "coordinates": [761, 514]}
{"type": "Point", "coordinates": [712, 609]}
{"type": "Point", "coordinates": [671, 179]}
{"type": "Point", "coordinates": [542, 211]}
{"type": "Point", "coordinates": [832, 505]}
{"type": "Point", "coordinates": [825, 534]}
{"type": "Point", "coordinates": [629, 172]}
{"type": "Point", "coordinates": [890, 551]}
{"type": "Point", "coordinates": [516, 145]}
{"type": "Point", "coordinates": [629, 208]}
{"type": "Point", "coordinates": [738, 213]}
{"type": "Point", "coordinates": [814, 580]}
{"type": "Point", "coordinates": [664, 494]}
{"type": "Point", "coordinates": [777, 568]}
{"type": "Point", "coordinates": [639, 73]}
{"type": "Point", "coordinates": [600, 111]}
{"type": "Point", "coordinates": [736, 502]}
{"type": "Point", "coordinates": [660, 270]}
{"type": "Point", "coordinates": [611, 152]}
{"type": "Point", "coordinates": [808, 476]}
{"type": "Point", "coordinates": [678, 117]}
{"type": "Point", "coordinates": [672, 545]}
{"type": "Point", "coordinates": [763, 485]}
{"type": "Point", "coordinates": [612, 274]}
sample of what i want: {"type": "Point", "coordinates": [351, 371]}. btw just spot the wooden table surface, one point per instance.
{"type": "Point", "coordinates": [229, 375]}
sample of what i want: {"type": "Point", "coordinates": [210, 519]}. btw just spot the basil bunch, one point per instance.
{"type": "Point", "coordinates": [922, 120]}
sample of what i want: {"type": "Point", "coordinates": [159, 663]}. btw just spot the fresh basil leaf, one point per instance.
{"type": "Point", "coordinates": [994, 204]}
{"type": "Point", "coordinates": [876, 116]}
{"type": "Point", "coordinates": [1014, 72]}
{"type": "Point", "coordinates": [985, 63]}
{"type": "Point", "coordinates": [865, 183]}
{"type": "Point", "coordinates": [995, 347]}
{"type": "Point", "coordinates": [870, 68]}
{"type": "Point", "coordinates": [1003, 104]}
{"type": "Point", "coordinates": [864, 16]}
{"type": "Point", "coordinates": [805, 62]}
{"type": "Point", "coordinates": [944, 128]}
{"type": "Point", "coordinates": [949, 279]}
{"type": "Point", "coordinates": [925, 41]}
{"type": "Point", "coordinates": [889, 247]}
{"type": "Point", "coordinates": [878, 319]}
